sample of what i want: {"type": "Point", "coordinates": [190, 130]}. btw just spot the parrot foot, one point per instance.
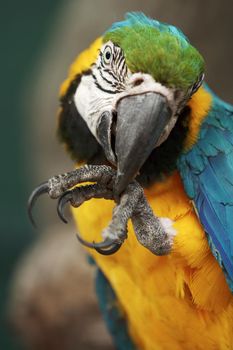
{"type": "Point", "coordinates": [112, 241]}
{"type": "Point", "coordinates": [153, 233]}
{"type": "Point", "coordinates": [57, 185]}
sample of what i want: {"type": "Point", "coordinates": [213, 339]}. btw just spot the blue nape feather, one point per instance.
{"type": "Point", "coordinates": [207, 173]}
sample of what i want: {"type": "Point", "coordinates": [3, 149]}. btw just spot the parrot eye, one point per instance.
{"type": "Point", "coordinates": [111, 70]}
{"type": "Point", "coordinates": [107, 55]}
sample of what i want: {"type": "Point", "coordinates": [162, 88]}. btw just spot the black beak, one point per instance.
{"type": "Point", "coordinates": [141, 120]}
{"type": "Point", "coordinates": [129, 137]}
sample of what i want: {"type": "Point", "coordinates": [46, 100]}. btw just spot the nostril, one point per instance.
{"type": "Point", "coordinates": [137, 82]}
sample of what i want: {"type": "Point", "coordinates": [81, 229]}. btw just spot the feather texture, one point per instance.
{"type": "Point", "coordinates": [158, 49]}
{"type": "Point", "coordinates": [207, 172]}
{"type": "Point", "coordinates": [112, 313]}
{"type": "Point", "coordinates": [180, 301]}
{"type": "Point", "coordinates": [139, 18]}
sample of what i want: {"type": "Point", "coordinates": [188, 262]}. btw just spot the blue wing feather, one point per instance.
{"type": "Point", "coordinates": [207, 173]}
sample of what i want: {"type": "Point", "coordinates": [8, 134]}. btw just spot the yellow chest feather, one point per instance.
{"type": "Point", "coordinates": [179, 301]}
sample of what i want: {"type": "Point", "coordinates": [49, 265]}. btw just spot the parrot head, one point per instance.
{"type": "Point", "coordinates": [125, 102]}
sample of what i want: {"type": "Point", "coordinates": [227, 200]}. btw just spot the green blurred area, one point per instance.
{"type": "Point", "coordinates": [24, 28]}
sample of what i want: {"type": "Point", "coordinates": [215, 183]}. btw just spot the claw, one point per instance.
{"type": "Point", "coordinates": [63, 200]}
{"type": "Point", "coordinates": [104, 244]}
{"type": "Point", "coordinates": [38, 191]}
{"type": "Point", "coordinates": [115, 247]}
{"type": "Point", "coordinates": [101, 247]}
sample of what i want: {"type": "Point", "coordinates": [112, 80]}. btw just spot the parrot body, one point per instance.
{"type": "Point", "coordinates": [182, 300]}
{"type": "Point", "coordinates": [179, 301]}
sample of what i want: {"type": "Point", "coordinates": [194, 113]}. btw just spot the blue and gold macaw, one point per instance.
{"type": "Point", "coordinates": [157, 142]}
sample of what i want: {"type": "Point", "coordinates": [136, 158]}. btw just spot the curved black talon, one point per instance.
{"type": "Point", "coordinates": [63, 200]}
{"type": "Point", "coordinates": [104, 244]}
{"type": "Point", "coordinates": [101, 247]}
{"type": "Point", "coordinates": [36, 193]}
{"type": "Point", "coordinates": [115, 247]}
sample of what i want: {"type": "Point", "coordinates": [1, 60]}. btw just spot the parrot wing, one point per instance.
{"type": "Point", "coordinates": [207, 173]}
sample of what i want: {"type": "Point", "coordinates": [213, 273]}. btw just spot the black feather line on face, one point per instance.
{"type": "Point", "coordinates": [83, 147]}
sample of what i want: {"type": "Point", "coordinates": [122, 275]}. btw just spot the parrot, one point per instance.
{"type": "Point", "coordinates": [152, 189]}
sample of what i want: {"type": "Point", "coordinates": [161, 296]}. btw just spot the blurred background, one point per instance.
{"type": "Point", "coordinates": [47, 298]}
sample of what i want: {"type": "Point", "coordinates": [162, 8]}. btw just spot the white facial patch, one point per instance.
{"type": "Point", "coordinates": [91, 102]}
